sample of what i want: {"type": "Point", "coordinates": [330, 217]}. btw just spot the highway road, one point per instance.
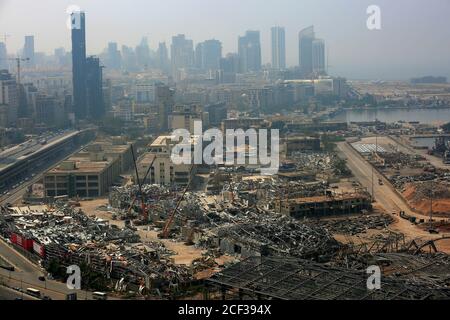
{"type": "Point", "coordinates": [17, 194]}
{"type": "Point", "coordinates": [384, 195]}
{"type": "Point", "coordinates": [10, 294]}
{"type": "Point", "coordinates": [31, 146]}
{"type": "Point", "coordinates": [27, 275]}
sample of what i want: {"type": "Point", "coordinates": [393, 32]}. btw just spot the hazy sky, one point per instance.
{"type": "Point", "coordinates": [414, 40]}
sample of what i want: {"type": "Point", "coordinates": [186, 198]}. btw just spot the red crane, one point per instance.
{"type": "Point", "coordinates": [141, 193]}
{"type": "Point", "coordinates": [166, 230]}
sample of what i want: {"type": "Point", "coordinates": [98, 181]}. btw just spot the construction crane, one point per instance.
{"type": "Point", "coordinates": [166, 230]}
{"type": "Point", "coordinates": [141, 193]}
{"type": "Point", "coordinates": [143, 207]}
{"type": "Point", "coordinates": [18, 61]}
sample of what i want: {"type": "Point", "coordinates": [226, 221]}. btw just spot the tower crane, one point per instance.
{"type": "Point", "coordinates": [18, 61]}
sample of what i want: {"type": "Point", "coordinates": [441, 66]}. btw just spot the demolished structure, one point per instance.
{"type": "Point", "coordinates": [66, 236]}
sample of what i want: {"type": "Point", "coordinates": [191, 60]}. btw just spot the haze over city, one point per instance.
{"type": "Point", "coordinates": [395, 52]}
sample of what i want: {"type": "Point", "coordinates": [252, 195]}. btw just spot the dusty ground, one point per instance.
{"type": "Point", "coordinates": [184, 254]}
{"type": "Point", "coordinates": [441, 207]}
{"type": "Point", "coordinates": [398, 89]}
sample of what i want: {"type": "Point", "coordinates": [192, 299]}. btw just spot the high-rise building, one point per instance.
{"type": "Point", "coordinates": [129, 61]}
{"type": "Point", "coordinates": [163, 57]}
{"type": "Point", "coordinates": [340, 87]}
{"type": "Point", "coordinates": [216, 113]}
{"type": "Point", "coordinates": [208, 55]}
{"type": "Point", "coordinates": [278, 48]}
{"type": "Point", "coordinates": [229, 66]}
{"type": "Point", "coordinates": [79, 64]}
{"type": "Point", "coordinates": [46, 108]}
{"type": "Point", "coordinates": [94, 88]}
{"type": "Point", "coordinates": [29, 91]}
{"type": "Point", "coordinates": [9, 98]}
{"type": "Point", "coordinates": [107, 95]}
{"type": "Point", "coordinates": [125, 109]}
{"type": "Point", "coordinates": [318, 54]}
{"type": "Point", "coordinates": [249, 47]}
{"type": "Point", "coordinates": [230, 63]}
{"type": "Point", "coordinates": [3, 56]}
{"type": "Point", "coordinates": [114, 58]}
{"type": "Point", "coordinates": [306, 38]}
{"type": "Point", "coordinates": [165, 100]}
{"type": "Point", "coordinates": [62, 58]}
{"type": "Point", "coordinates": [144, 92]}
{"type": "Point", "coordinates": [143, 54]}
{"type": "Point", "coordinates": [28, 50]}
{"type": "Point", "coordinates": [185, 116]}
{"type": "Point", "coordinates": [181, 52]}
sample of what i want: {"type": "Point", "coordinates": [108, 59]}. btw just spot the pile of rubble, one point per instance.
{"type": "Point", "coordinates": [429, 270]}
{"type": "Point", "coordinates": [69, 225]}
{"type": "Point", "coordinates": [315, 161]}
{"type": "Point", "coordinates": [398, 160]}
{"type": "Point", "coordinates": [69, 237]}
{"type": "Point", "coordinates": [254, 233]}
{"type": "Point", "coordinates": [123, 197]}
{"type": "Point", "coordinates": [275, 188]}
{"type": "Point", "coordinates": [356, 225]}
{"type": "Point", "coordinates": [400, 182]}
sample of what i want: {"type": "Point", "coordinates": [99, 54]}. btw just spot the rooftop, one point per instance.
{"type": "Point", "coordinates": [337, 197]}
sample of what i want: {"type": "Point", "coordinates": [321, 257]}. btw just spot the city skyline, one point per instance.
{"type": "Point", "coordinates": [354, 51]}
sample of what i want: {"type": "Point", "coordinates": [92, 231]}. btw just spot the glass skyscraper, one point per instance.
{"type": "Point", "coordinates": [305, 39]}
{"type": "Point", "coordinates": [249, 47]}
{"type": "Point", "coordinates": [278, 48]}
{"type": "Point", "coordinates": [79, 65]}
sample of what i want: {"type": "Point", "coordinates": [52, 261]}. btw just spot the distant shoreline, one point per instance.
{"type": "Point", "coordinates": [395, 108]}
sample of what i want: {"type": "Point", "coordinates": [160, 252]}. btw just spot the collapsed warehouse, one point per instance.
{"type": "Point", "coordinates": [286, 258]}
{"type": "Point", "coordinates": [244, 222]}
{"type": "Point", "coordinates": [65, 236]}
{"type": "Point", "coordinates": [404, 278]}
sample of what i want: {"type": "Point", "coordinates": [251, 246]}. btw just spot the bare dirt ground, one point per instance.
{"type": "Point", "coordinates": [183, 254]}
{"type": "Point", "coordinates": [441, 207]}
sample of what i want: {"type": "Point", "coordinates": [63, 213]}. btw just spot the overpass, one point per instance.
{"type": "Point", "coordinates": [25, 162]}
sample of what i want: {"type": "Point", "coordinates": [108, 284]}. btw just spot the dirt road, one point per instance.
{"type": "Point", "coordinates": [385, 196]}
